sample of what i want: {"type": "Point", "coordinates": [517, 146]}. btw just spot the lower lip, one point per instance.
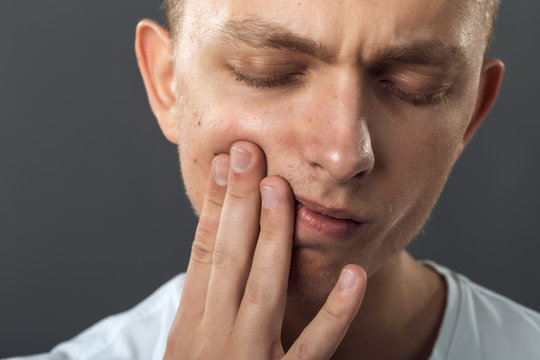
{"type": "Point", "coordinates": [317, 226]}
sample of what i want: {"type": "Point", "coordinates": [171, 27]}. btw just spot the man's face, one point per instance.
{"type": "Point", "coordinates": [362, 106]}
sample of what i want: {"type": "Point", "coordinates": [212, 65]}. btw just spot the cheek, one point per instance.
{"type": "Point", "coordinates": [271, 124]}
{"type": "Point", "coordinates": [413, 160]}
{"type": "Point", "coordinates": [207, 129]}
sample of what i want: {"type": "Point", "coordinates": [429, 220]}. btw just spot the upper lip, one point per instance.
{"type": "Point", "coordinates": [337, 213]}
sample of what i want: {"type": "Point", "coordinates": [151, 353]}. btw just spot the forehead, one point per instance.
{"type": "Point", "coordinates": [359, 26]}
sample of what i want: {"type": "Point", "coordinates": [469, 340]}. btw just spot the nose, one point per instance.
{"type": "Point", "coordinates": [338, 141]}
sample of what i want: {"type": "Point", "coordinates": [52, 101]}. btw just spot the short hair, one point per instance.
{"type": "Point", "coordinates": [173, 15]}
{"type": "Point", "coordinates": [488, 9]}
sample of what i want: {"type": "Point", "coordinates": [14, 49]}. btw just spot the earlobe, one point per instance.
{"type": "Point", "coordinates": [488, 90]}
{"type": "Point", "coordinates": [154, 57]}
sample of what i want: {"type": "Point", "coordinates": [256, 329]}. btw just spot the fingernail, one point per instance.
{"type": "Point", "coordinates": [240, 160]}
{"type": "Point", "coordinates": [269, 197]}
{"type": "Point", "coordinates": [347, 280]}
{"type": "Point", "coordinates": [221, 172]}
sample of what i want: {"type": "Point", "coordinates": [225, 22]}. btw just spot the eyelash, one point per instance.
{"type": "Point", "coordinates": [417, 99]}
{"type": "Point", "coordinates": [268, 82]}
{"type": "Point", "coordinates": [290, 79]}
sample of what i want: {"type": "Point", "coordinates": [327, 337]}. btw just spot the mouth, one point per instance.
{"type": "Point", "coordinates": [322, 224]}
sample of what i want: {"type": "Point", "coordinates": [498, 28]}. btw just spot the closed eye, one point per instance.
{"type": "Point", "coordinates": [414, 97]}
{"type": "Point", "coordinates": [269, 82]}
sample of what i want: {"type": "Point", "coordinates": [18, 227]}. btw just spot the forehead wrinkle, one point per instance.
{"type": "Point", "coordinates": [258, 33]}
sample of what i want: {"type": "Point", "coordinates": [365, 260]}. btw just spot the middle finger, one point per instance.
{"type": "Point", "coordinates": [236, 235]}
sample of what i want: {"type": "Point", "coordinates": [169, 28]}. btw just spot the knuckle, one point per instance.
{"type": "Point", "coordinates": [221, 258]}
{"type": "Point", "coordinates": [332, 313]}
{"type": "Point", "coordinates": [207, 226]}
{"type": "Point", "coordinates": [257, 293]}
{"type": "Point", "coordinates": [270, 259]}
{"type": "Point", "coordinates": [199, 352]}
{"type": "Point", "coordinates": [304, 351]}
{"type": "Point", "coordinates": [269, 232]}
{"type": "Point", "coordinates": [201, 252]}
{"type": "Point", "coordinates": [214, 200]}
{"type": "Point", "coordinates": [238, 194]}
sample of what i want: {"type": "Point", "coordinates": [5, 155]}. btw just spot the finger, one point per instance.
{"type": "Point", "coordinates": [200, 261]}
{"type": "Point", "coordinates": [263, 304]}
{"type": "Point", "coordinates": [237, 234]}
{"type": "Point", "coordinates": [322, 336]}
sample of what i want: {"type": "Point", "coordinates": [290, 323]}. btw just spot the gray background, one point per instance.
{"type": "Point", "coordinates": [92, 212]}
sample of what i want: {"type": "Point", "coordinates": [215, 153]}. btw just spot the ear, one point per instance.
{"type": "Point", "coordinates": [154, 56]}
{"type": "Point", "coordinates": [488, 90]}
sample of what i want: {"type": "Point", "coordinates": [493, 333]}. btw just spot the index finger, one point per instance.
{"type": "Point", "coordinates": [200, 261]}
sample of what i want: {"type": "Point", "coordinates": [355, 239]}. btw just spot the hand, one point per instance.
{"type": "Point", "coordinates": [235, 289]}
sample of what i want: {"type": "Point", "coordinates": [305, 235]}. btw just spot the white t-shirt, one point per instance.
{"type": "Point", "coordinates": [477, 324]}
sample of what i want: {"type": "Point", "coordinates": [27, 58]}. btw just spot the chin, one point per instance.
{"type": "Point", "coordinates": [312, 276]}
{"type": "Point", "coordinates": [315, 267]}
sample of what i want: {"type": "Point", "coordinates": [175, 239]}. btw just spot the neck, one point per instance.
{"type": "Point", "coordinates": [399, 318]}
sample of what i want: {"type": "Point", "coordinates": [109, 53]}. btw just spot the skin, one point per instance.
{"type": "Point", "coordinates": [352, 131]}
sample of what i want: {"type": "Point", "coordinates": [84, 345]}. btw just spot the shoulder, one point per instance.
{"type": "Point", "coordinates": [139, 333]}
{"type": "Point", "coordinates": [482, 324]}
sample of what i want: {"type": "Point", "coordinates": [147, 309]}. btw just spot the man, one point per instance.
{"type": "Point", "coordinates": [315, 138]}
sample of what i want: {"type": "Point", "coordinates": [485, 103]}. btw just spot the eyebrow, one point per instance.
{"type": "Point", "coordinates": [432, 52]}
{"type": "Point", "coordinates": [258, 33]}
